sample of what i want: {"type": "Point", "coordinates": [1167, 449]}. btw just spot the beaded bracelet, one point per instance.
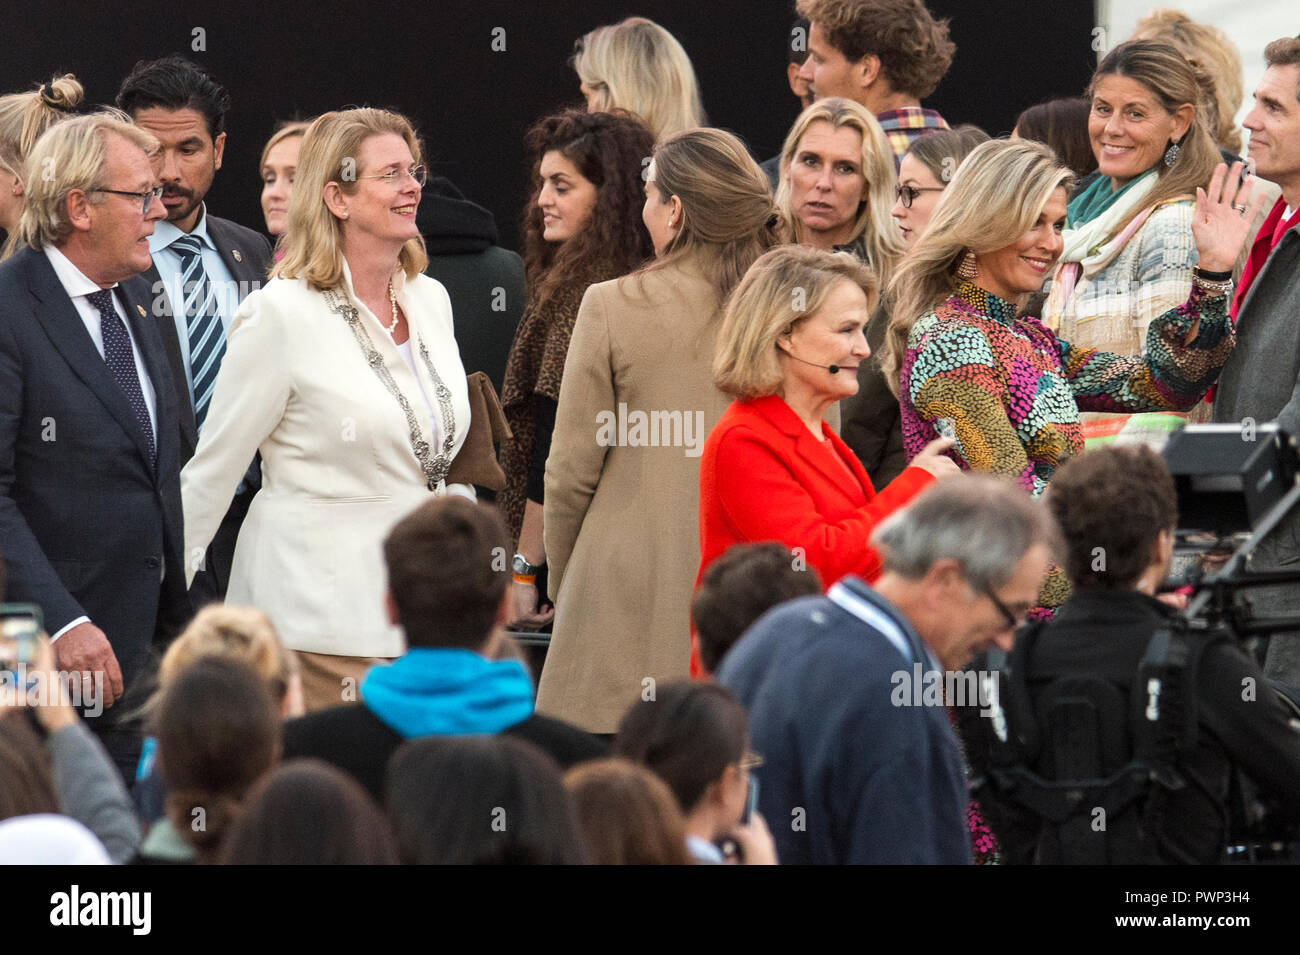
{"type": "Point", "coordinates": [1216, 283]}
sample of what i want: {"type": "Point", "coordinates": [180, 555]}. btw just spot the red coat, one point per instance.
{"type": "Point", "coordinates": [765, 477]}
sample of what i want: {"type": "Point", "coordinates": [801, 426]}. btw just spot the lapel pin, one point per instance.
{"type": "Point", "coordinates": [235, 253]}
{"type": "Point", "coordinates": [140, 309]}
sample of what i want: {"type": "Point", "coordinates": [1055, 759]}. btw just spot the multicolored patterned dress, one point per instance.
{"type": "Point", "coordinates": [1010, 391]}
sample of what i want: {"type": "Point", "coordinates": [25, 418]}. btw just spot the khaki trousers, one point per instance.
{"type": "Point", "coordinates": [328, 680]}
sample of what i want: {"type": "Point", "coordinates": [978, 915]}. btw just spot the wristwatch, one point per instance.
{"type": "Point", "coordinates": [523, 569]}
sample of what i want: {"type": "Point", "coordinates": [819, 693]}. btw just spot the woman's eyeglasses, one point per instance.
{"type": "Point", "coordinates": [419, 173]}
{"type": "Point", "coordinates": [907, 194]}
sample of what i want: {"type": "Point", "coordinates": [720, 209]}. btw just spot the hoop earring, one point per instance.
{"type": "Point", "coordinates": [1171, 154]}
{"type": "Point", "coordinates": [969, 268]}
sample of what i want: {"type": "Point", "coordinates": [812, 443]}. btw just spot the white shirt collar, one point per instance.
{"type": "Point", "coordinates": [73, 280]}
{"type": "Point", "coordinates": [164, 233]}
{"type": "Point", "coordinates": [881, 622]}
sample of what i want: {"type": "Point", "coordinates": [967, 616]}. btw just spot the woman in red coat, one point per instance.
{"type": "Point", "coordinates": [773, 470]}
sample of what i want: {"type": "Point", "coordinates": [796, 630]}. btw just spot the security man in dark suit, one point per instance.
{"type": "Point", "coordinates": [203, 266]}
{"type": "Point", "coordinates": [90, 500]}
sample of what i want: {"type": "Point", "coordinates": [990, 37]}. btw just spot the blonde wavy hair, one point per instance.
{"type": "Point", "coordinates": [638, 66]}
{"type": "Point", "coordinates": [313, 247]}
{"type": "Point", "coordinates": [77, 148]}
{"type": "Point", "coordinates": [996, 196]}
{"type": "Point", "coordinates": [873, 224]}
{"type": "Point", "coordinates": [786, 286]}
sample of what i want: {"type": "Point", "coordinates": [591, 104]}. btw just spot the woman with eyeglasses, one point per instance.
{"type": "Point", "coordinates": [343, 372]}
{"type": "Point", "coordinates": [695, 737]}
{"type": "Point", "coordinates": [870, 418]}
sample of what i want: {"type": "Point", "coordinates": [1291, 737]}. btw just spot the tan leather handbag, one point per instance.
{"type": "Point", "coordinates": [476, 462]}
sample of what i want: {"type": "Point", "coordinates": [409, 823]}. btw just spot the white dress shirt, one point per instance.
{"type": "Point", "coordinates": [78, 286]}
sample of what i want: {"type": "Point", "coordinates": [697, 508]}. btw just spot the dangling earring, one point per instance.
{"type": "Point", "coordinates": [969, 269]}
{"type": "Point", "coordinates": [1171, 154]}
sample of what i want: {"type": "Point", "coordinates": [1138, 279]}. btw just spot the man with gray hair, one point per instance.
{"type": "Point", "coordinates": [845, 692]}
{"type": "Point", "coordinates": [90, 504]}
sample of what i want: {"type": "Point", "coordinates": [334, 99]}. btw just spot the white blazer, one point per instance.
{"type": "Point", "coordinates": [338, 469]}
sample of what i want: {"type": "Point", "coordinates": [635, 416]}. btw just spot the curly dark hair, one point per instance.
{"type": "Point", "coordinates": [611, 150]}
{"type": "Point", "coordinates": [913, 46]}
{"type": "Point", "coordinates": [1112, 504]}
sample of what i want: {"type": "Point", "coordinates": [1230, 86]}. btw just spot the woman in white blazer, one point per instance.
{"type": "Point", "coordinates": [344, 373]}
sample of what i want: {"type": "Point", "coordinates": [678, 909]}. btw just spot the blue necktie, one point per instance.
{"type": "Point", "coordinates": [207, 337]}
{"type": "Point", "coordinates": [121, 362]}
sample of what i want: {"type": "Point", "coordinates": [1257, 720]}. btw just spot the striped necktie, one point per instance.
{"type": "Point", "coordinates": [120, 358]}
{"type": "Point", "coordinates": [206, 334]}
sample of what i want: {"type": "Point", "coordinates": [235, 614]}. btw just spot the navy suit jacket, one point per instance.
{"type": "Point", "coordinates": [86, 525]}
{"type": "Point", "coordinates": [855, 771]}
{"type": "Point", "coordinates": [247, 256]}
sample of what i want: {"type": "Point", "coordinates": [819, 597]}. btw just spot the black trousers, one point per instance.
{"type": "Point", "coordinates": [210, 584]}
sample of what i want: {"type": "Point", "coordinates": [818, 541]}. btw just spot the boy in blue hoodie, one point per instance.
{"type": "Point", "coordinates": [448, 588]}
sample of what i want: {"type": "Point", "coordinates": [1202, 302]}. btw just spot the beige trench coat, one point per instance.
{"type": "Point", "coordinates": [622, 533]}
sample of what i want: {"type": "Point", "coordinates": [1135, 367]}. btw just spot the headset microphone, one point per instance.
{"type": "Point", "coordinates": [833, 369]}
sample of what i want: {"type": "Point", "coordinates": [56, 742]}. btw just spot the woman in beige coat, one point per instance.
{"type": "Point", "coordinates": [637, 402]}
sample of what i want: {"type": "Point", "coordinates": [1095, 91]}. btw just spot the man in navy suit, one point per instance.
{"type": "Point", "coordinates": [202, 268]}
{"type": "Point", "coordinates": [90, 505]}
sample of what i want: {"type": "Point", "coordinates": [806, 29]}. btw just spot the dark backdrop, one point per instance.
{"type": "Point", "coordinates": [433, 60]}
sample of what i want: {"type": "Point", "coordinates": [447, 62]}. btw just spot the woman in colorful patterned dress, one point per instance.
{"type": "Point", "coordinates": [1006, 388]}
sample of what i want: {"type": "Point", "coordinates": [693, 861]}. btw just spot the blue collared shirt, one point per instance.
{"type": "Point", "coordinates": [168, 262]}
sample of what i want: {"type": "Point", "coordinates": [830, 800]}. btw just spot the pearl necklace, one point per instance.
{"type": "Point", "coordinates": [392, 300]}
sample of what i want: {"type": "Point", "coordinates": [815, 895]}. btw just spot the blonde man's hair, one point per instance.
{"type": "Point", "coordinates": [313, 248]}
{"type": "Point", "coordinates": [873, 224]}
{"type": "Point", "coordinates": [25, 116]}
{"type": "Point", "coordinates": [70, 156]}
{"type": "Point", "coordinates": [1208, 49]}
{"type": "Point", "coordinates": [996, 197]}
{"type": "Point", "coordinates": [638, 66]}
{"type": "Point", "coordinates": [786, 286]}
{"type": "Point", "coordinates": [237, 633]}
{"type": "Point", "coordinates": [727, 211]}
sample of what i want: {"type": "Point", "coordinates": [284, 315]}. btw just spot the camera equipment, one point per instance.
{"type": "Point", "coordinates": [1236, 484]}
